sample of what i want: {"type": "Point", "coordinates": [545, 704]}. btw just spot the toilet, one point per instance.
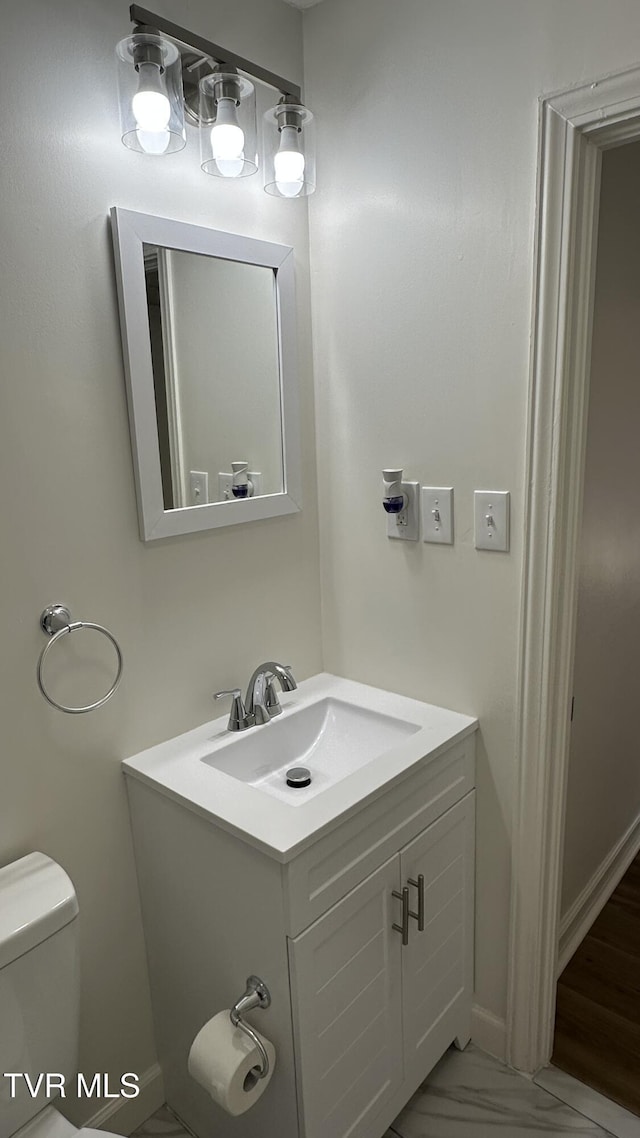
{"type": "Point", "coordinates": [39, 995]}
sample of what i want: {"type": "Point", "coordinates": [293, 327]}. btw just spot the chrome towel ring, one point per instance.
{"type": "Point", "coordinates": [56, 622]}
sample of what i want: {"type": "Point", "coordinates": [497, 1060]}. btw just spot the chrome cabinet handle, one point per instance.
{"type": "Point", "coordinates": [403, 929]}
{"type": "Point", "coordinates": [419, 916]}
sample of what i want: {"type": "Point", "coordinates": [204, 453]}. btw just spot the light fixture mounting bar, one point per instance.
{"type": "Point", "coordinates": [219, 54]}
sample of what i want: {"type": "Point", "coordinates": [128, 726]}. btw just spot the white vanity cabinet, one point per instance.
{"type": "Point", "coordinates": [347, 1004]}
{"type": "Point", "coordinates": [358, 1018]}
{"type": "Point", "coordinates": [370, 1011]}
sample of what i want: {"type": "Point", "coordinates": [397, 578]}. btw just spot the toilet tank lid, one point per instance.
{"type": "Point", "coordinates": [37, 899]}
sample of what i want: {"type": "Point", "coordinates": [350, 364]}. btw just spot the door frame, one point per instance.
{"type": "Point", "coordinates": [575, 127]}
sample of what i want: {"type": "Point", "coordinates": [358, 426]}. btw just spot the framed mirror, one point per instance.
{"type": "Point", "coordinates": [208, 334]}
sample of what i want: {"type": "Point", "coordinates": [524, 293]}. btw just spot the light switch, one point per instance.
{"type": "Point", "coordinates": [437, 514]}
{"type": "Point", "coordinates": [199, 487]}
{"type": "Point", "coordinates": [491, 509]}
{"type": "Point", "coordinates": [225, 481]}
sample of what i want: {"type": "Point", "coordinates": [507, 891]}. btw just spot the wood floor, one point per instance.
{"type": "Point", "coordinates": [597, 1038]}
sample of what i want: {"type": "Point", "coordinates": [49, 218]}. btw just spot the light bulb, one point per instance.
{"type": "Point", "coordinates": [150, 104]}
{"type": "Point", "coordinates": [288, 163]}
{"type": "Point", "coordinates": [227, 137]}
{"type": "Point", "coordinates": [231, 167]}
{"type": "Point", "coordinates": [290, 189]}
{"type": "Point", "coordinates": [153, 141]}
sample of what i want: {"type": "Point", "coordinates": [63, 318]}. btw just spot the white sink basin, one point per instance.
{"type": "Point", "coordinates": [355, 740]}
{"type": "Point", "coordinates": [331, 738]}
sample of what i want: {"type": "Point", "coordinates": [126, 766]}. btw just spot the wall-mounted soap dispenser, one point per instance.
{"type": "Point", "coordinates": [400, 500]}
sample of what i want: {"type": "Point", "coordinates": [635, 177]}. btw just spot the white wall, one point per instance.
{"type": "Point", "coordinates": [193, 614]}
{"type": "Point", "coordinates": [604, 772]}
{"type": "Point", "coordinates": [422, 266]}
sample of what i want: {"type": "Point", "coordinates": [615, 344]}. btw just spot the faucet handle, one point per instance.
{"type": "Point", "coordinates": [238, 715]}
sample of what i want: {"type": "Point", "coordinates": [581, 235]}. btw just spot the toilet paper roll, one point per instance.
{"type": "Point", "coordinates": [222, 1059]}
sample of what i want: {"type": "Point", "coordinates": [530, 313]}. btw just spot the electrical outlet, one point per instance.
{"type": "Point", "coordinates": [225, 482]}
{"type": "Point", "coordinates": [199, 487]}
{"type": "Point", "coordinates": [406, 524]}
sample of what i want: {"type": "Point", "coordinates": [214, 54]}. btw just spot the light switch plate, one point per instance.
{"type": "Point", "coordinates": [437, 514]}
{"type": "Point", "coordinates": [491, 511]}
{"type": "Point", "coordinates": [224, 486]}
{"type": "Point", "coordinates": [405, 526]}
{"type": "Point", "coordinates": [199, 487]}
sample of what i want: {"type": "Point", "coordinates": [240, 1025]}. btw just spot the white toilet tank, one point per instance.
{"type": "Point", "coordinates": [39, 982]}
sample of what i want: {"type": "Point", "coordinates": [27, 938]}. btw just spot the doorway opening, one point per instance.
{"type": "Point", "coordinates": [577, 128]}
{"type": "Point", "coordinates": [597, 1025]}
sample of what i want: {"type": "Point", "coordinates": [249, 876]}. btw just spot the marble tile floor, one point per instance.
{"type": "Point", "coordinates": [162, 1124]}
{"type": "Point", "coordinates": [613, 1118]}
{"type": "Point", "coordinates": [470, 1095]}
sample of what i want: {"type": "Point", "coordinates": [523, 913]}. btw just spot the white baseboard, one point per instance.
{"type": "Point", "coordinates": [576, 923]}
{"type": "Point", "coordinates": [123, 1116]}
{"type": "Point", "coordinates": [489, 1032]}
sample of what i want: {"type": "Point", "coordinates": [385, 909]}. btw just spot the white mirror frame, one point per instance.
{"type": "Point", "coordinates": [131, 231]}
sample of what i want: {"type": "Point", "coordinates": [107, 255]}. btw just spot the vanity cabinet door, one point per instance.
{"type": "Point", "coordinates": [437, 963]}
{"type": "Point", "coordinates": [345, 982]}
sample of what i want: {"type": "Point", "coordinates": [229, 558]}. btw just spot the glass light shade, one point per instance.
{"type": "Point", "coordinates": [289, 153]}
{"type": "Point", "coordinates": [150, 94]}
{"type": "Point", "coordinates": [227, 126]}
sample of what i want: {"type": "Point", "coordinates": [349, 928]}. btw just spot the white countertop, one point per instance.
{"type": "Point", "coordinates": [176, 769]}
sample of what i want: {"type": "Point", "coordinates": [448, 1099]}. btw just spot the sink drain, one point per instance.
{"type": "Point", "coordinates": [298, 777]}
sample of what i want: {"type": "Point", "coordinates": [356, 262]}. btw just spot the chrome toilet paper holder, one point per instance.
{"type": "Point", "coordinates": [256, 995]}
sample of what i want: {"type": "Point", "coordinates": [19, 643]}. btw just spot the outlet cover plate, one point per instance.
{"type": "Point", "coordinates": [405, 526]}
{"type": "Point", "coordinates": [492, 534]}
{"type": "Point", "coordinates": [437, 514]}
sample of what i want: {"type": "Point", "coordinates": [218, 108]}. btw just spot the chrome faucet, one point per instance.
{"type": "Point", "coordinates": [261, 704]}
{"type": "Point", "coordinates": [262, 699]}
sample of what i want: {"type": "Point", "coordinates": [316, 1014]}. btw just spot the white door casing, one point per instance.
{"type": "Point", "coordinates": [575, 127]}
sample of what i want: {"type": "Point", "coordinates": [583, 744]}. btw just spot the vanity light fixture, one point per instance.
{"type": "Point", "coordinates": [167, 74]}
{"type": "Point", "coordinates": [289, 150]}
{"type": "Point", "coordinates": [150, 93]}
{"type": "Point", "coordinates": [227, 124]}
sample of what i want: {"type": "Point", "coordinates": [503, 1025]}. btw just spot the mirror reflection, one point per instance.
{"type": "Point", "coordinates": [216, 375]}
